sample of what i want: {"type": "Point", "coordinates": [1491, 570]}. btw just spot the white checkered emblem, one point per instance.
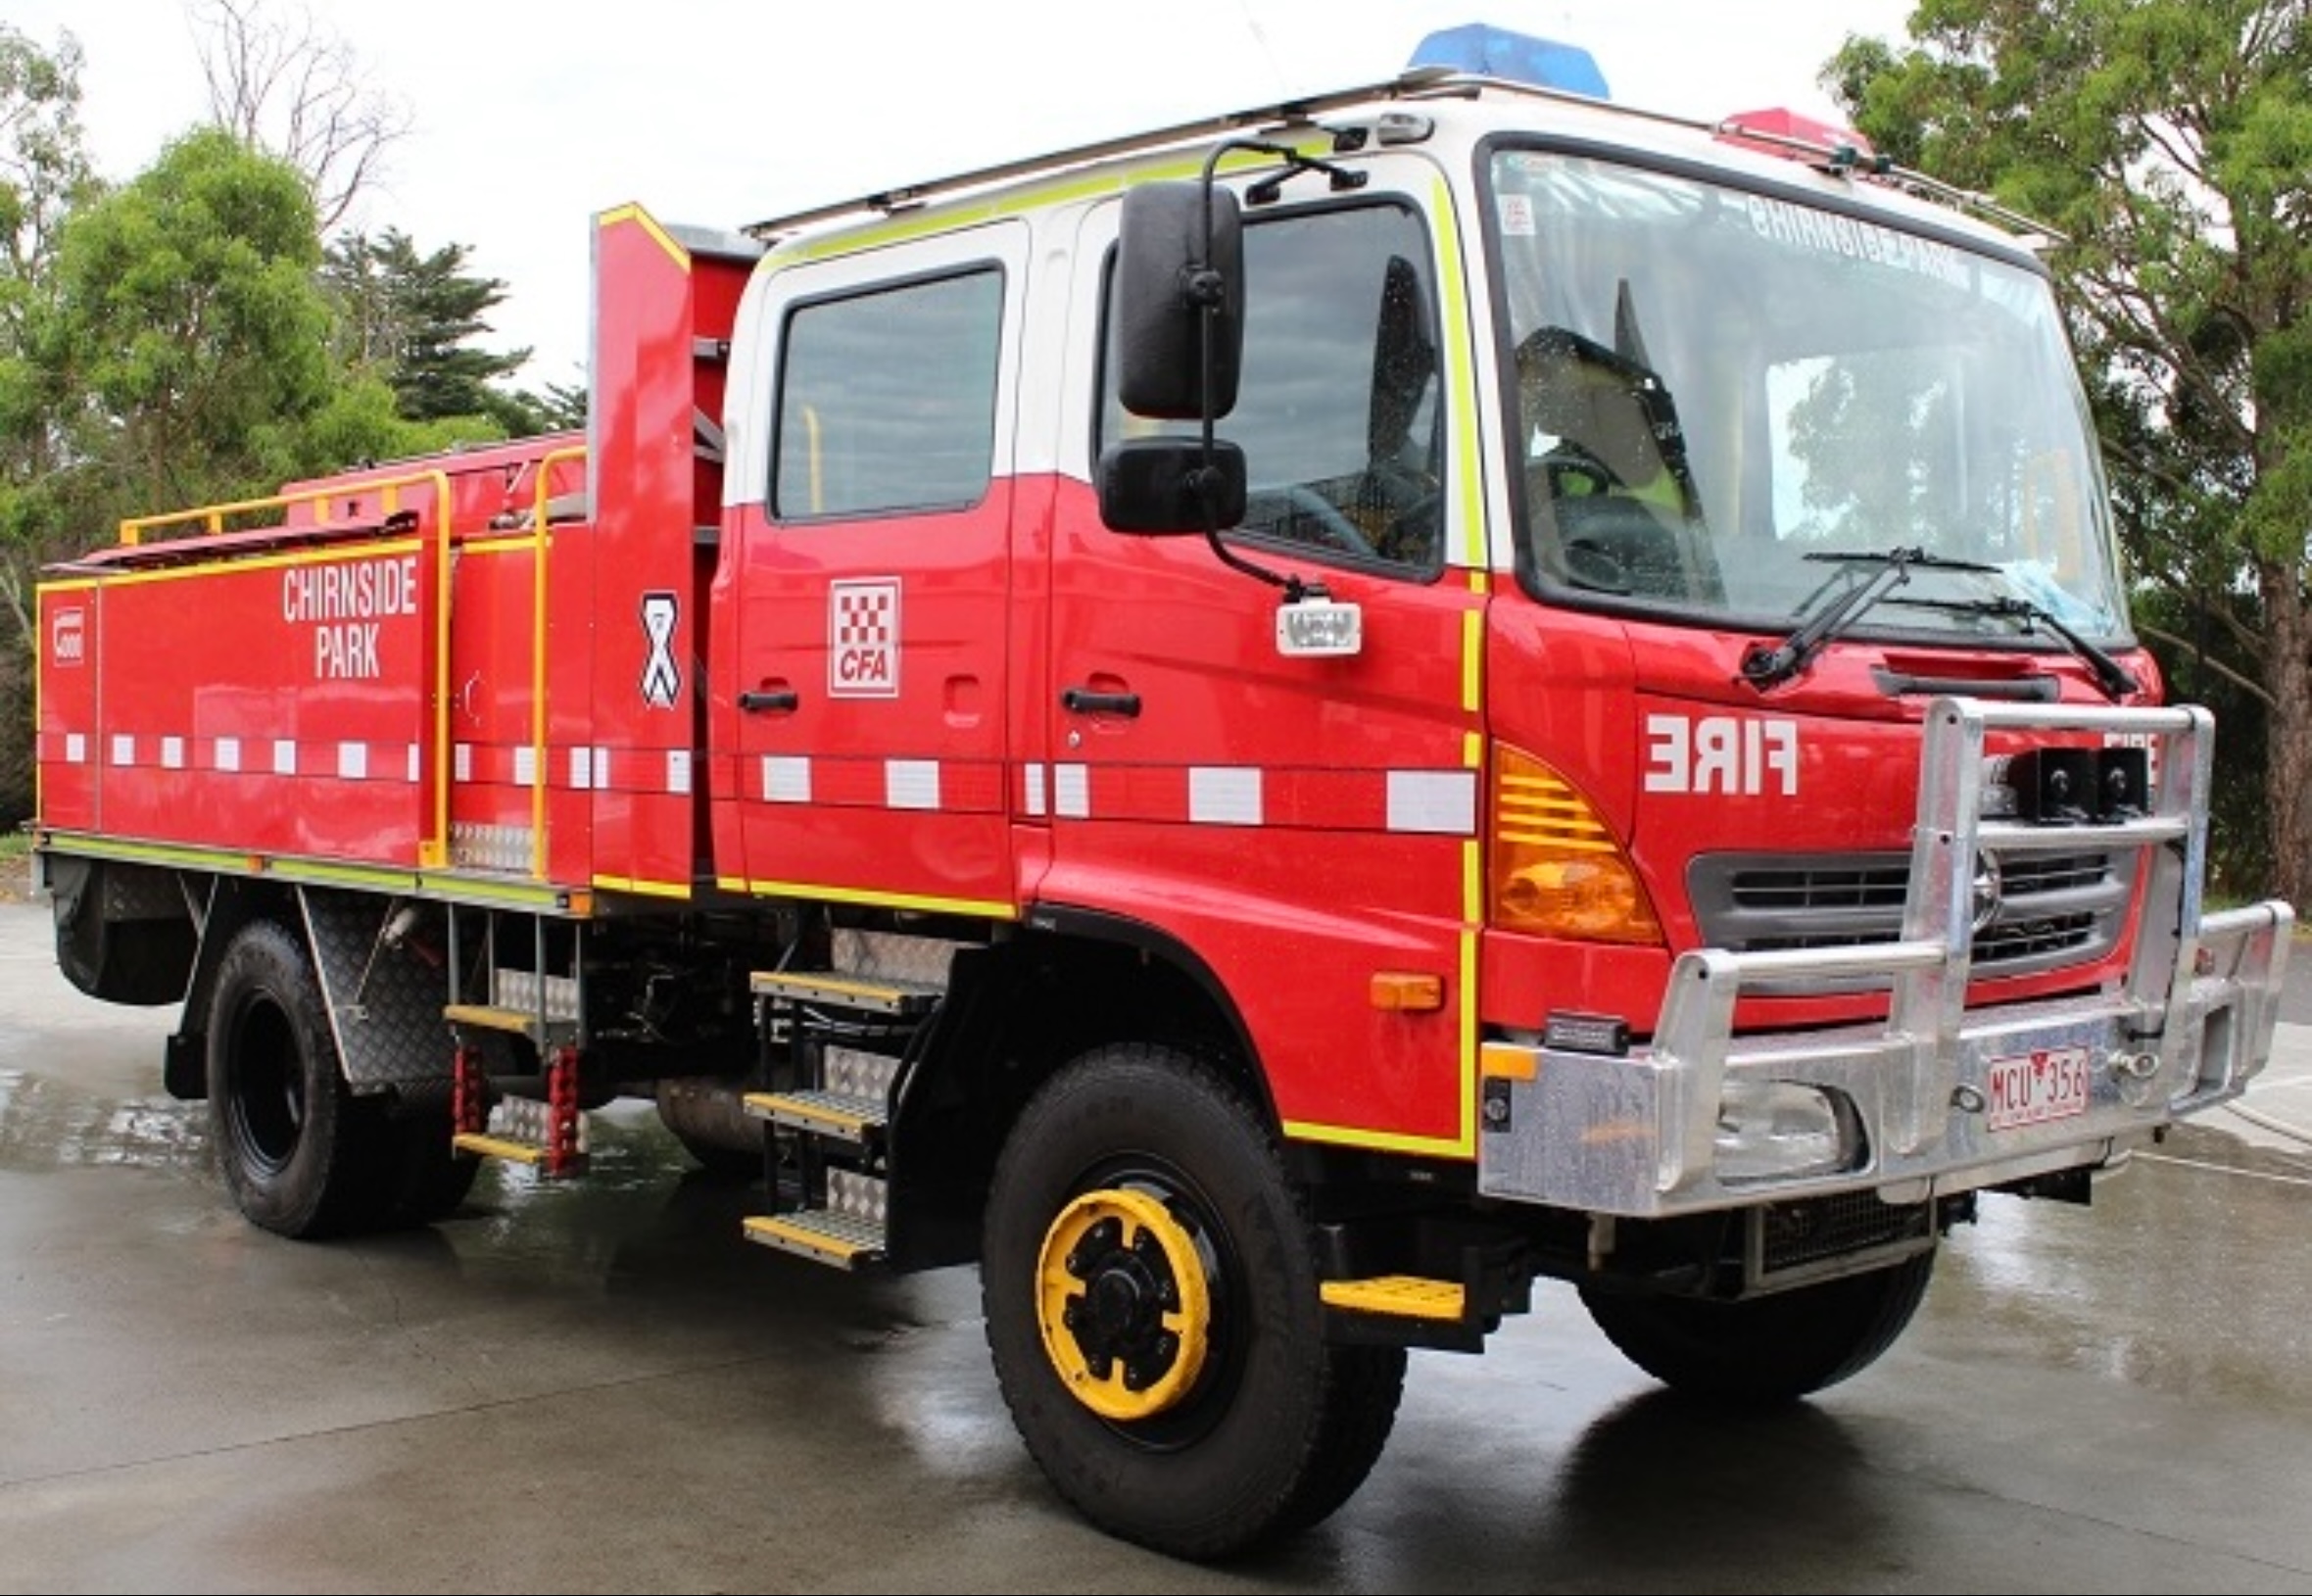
{"type": "Point", "coordinates": [863, 639]}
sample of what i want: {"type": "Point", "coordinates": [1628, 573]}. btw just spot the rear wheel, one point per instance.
{"type": "Point", "coordinates": [429, 1179]}
{"type": "Point", "coordinates": [1768, 1349]}
{"type": "Point", "coordinates": [302, 1157]}
{"type": "Point", "coordinates": [1150, 1289]}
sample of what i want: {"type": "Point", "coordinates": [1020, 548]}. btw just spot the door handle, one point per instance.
{"type": "Point", "coordinates": [1083, 701]}
{"type": "Point", "coordinates": [768, 698]}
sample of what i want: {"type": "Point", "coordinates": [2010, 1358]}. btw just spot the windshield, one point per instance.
{"type": "Point", "coordinates": [1714, 385]}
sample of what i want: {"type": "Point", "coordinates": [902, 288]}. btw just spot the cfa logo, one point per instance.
{"type": "Point", "coordinates": [863, 639]}
{"type": "Point", "coordinates": [1737, 755]}
{"type": "Point", "coordinates": [68, 636]}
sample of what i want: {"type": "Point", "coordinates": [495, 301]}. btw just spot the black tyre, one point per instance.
{"type": "Point", "coordinates": [1151, 1287]}
{"type": "Point", "coordinates": [1769, 1349]}
{"type": "Point", "coordinates": [428, 1180]}
{"type": "Point", "coordinates": [301, 1156]}
{"type": "Point", "coordinates": [721, 1165]}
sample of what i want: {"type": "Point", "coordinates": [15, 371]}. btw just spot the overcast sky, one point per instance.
{"type": "Point", "coordinates": [528, 118]}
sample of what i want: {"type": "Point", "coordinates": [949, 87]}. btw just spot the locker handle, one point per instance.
{"type": "Point", "coordinates": [1083, 701]}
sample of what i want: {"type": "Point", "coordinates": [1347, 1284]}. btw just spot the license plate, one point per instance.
{"type": "Point", "coordinates": [2034, 1087]}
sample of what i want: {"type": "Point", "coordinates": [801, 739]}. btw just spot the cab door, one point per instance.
{"type": "Point", "coordinates": [865, 587]}
{"type": "Point", "coordinates": [1304, 829]}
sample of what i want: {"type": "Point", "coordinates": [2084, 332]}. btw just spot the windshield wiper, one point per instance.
{"type": "Point", "coordinates": [2114, 678]}
{"type": "Point", "coordinates": [1763, 667]}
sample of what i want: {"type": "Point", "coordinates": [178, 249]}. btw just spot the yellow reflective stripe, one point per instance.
{"type": "Point", "coordinates": [649, 224]}
{"type": "Point", "coordinates": [989, 908]}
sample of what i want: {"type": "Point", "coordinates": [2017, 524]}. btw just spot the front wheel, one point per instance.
{"type": "Point", "coordinates": [1769, 1349]}
{"type": "Point", "coordinates": [1151, 1287]}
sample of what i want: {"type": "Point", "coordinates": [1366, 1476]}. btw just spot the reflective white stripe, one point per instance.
{"type": "Point", "coordinates": [284, 757]}
{"type": "Point", "coordinates": [172, 753]}
{"type": "Point", "coordinates": [411, 764]}
{"type": "Point", "coordinates": [461, 761]}
{"type": "Point", "coordinates": [1224, 795]}
{"type": "Point", "coordinates": [123, 748]}
{"type": "Point", "coordinates": [353, 761]}
{"type": "Point", "coordinates": [1072, 792]}
{"type": "Point", "coordinates": [75, 748]}
{"type": "Point", "coordinates": [582, 767]}
{"type": "Point", "coordinates": [228, 754]}
{"type": "Point", "coordinates": [601, 769]}
{"type": "Point", "coordinates": [678, 771]}
{"type": "Point", "coordinates": [1442, 801]}
{"type": "Point", "coordinates": [525, 766]}
{"type": "Point", "coordinates": [911, 784]}
{"type": "Point", "coordinates": [786, 778]}
{"type": "Point", "coordinates": [1033, 775]}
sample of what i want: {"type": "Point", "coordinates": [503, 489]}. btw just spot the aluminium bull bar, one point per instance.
{"type": "Point", "coordinates": [1912, 1103]}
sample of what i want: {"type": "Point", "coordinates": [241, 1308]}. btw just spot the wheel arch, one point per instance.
{"type": "Point", "coordinates": [227, 904]}
{"type": "Point", "coordinates": [1018, 1010]}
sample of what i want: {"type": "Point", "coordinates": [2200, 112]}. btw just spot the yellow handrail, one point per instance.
{"type": "Point", "coordinates": [540, 543]}
{"type": "Point", "coordinates": [211, 516]}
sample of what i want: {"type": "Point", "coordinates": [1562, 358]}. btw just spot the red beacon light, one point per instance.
{"type": "Point", "coordinates": [1795, 136]}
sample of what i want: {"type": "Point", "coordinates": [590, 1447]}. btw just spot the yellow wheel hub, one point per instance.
{"type": "Point", "coordinates": [1122, 1299]}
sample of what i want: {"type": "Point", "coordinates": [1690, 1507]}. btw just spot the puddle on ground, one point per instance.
{"type": "Point", "coordinates": [47, 1126]}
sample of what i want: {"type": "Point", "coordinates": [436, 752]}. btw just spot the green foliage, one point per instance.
{"type": "Point", "coordinates": [361, 423]}
{"type": "Point", "coordinates": [43, 168]}
{"type": "Point", "coordinates": [2171, 142]}
{"type": "Point", "coordinates": [187, 311]}
{"type": "Point", "coordinates": [412, 317]}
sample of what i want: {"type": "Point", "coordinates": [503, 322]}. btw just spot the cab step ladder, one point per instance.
{"type": "Point", "coordinates": [836, 1042]}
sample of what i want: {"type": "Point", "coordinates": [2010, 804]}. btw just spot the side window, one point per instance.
{"type": "Point", "coordinates": [887, 399]}
{"type": "Point", "coordinates": [1337, 409]}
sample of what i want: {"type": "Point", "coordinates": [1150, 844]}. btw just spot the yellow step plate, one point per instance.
{"type": "Point", "coordinates": [811, 1232]}
{"type": "Point", "coordinates": [520, 1022]}
{"type": "Point", "coordinates": [822, 1111]}
{"type": "Point", "coordinates": [502, 1148]}
{"type": "Point", "coordinates": [489, 1146]}
{"type": "Point", "coordinates": [828, 986]}
{"type": "Point", "coordinates": [1407, 1296]}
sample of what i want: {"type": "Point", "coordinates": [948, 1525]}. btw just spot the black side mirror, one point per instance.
{"type": "Point", "coordinates": [1181, 253]}
{"type": "Point", "coordinates": [1171, 485]}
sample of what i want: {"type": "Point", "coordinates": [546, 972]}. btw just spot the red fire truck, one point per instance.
{"type": "Point", "coordinates": [1268, 731]}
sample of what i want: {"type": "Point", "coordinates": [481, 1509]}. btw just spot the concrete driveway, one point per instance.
{"type": "Point", "coordinates": [601, 1386]}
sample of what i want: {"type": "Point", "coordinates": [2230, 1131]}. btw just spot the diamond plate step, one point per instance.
{"type": "Point", "coordinates": [820, 1234]}
{"type": "Point", "coordinates": [518, 1132]}
{"type": "Point", "coordinates": [521, 1022]}
{"type": "Point", "coordinates": [881, 995]}
{"type": "Point", "coordinates": [839, 1114]}
{"type": "Point", "coordinates": [848, 1232]}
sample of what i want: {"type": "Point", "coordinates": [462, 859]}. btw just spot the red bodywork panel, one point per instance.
{"type": "Point", "coordinates": [278, 681]}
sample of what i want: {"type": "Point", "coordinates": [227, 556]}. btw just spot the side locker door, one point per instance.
{"type": "Point", "coordinates": [1303, 827]}
{"type": "Point", "coordinates": [870, 583]}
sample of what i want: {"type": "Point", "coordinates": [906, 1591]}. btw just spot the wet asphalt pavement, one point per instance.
{"type": "Point", "coordinates": [599, 1386]}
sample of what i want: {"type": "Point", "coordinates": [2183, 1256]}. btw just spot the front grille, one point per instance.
{"type": "Point", "coordinates": [2055, 909]}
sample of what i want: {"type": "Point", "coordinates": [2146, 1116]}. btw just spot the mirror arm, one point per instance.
{"type": "Point", "coordinates": [1204, 289]}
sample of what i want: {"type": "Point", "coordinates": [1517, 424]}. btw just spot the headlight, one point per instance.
{"type": "Point", "coordinates": [1770, 1128]}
